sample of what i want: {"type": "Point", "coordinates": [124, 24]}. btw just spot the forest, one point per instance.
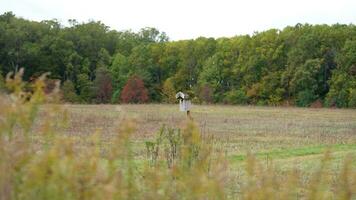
{"type": "Point", "coordinates": [301, 65]}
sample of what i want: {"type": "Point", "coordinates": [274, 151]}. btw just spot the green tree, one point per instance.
{"type": "Point", "coordinates": [120, 70]}
{"type": "Point", "coordinates": [104, 58]}
{"type": "Point", "coordinates": [304, 83]}
{"type": "Point", "coordinates": [217, 74]}
{"type": "Point", "coordinates": [169, 91]}
{"type": "Point", "coordinates": [152, 35]}
{"type": "Point", "coordinates": [68, 92]}
{"type": "Point", "coordinates": [343, 81]}
{"type": "Point", "coordinates": [352, 97]}
{"type": "Point", "coordinates": [73, 67]}
{"type": "Point", "coordinates": [338, 94]}
{"type": "Point", "coordinates": [85, 87]}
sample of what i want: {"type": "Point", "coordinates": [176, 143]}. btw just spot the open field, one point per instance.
{"type": "Point", "coordinates": [289, 136]}
{"type": "Point", "coordinates": [254, 128]}
{"type": "Point", "coordinates": [95, 152]}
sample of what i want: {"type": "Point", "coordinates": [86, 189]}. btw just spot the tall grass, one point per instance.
{"type": "Point", "coordinates": [39, 163]}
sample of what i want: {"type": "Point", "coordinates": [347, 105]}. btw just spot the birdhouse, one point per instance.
{"type": "Point", "coordinates": [184, 102]}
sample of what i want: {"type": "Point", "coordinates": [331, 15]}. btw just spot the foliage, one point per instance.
{"type": "Point", "coordinates": [301, 64]}
{"type": "Point", "coordinates": [169, 93]}
{"type": "Point", "coordinates": [68, 92]}
{"type": "Point", "coordinates": [343, 81]}
{"type": "Point", "coordinates": [2, 82]}
{"type": "Point", "coordinates": [304, 82]}
{"type": "Point", "coordinates": [206, 94]}
{"type": "Point", "coordinates": [116, 97]}
{"type": "Point", "coordinates": [120, 71]}
{"type": "Point", "coordinates": [352, 98]}
{"type": "Point", "coordinates": [305, 98]}
{"type": "Point", "coordinates": [134, 91]}
{"type": "Point", "coordinates": [103, 85]}
{"type": "Point", "coordinates": [85, 87]}
{"type": "Point", "coordinates": [236, 97]}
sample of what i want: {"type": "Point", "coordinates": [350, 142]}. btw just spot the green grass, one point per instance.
{"type": "Point", "coordinates": [298, 152]}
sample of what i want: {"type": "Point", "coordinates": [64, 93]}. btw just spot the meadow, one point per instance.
{"type": "Point", "coordinates": [286, 138]}
{"type": "Point", "coordinates": [281, 132]}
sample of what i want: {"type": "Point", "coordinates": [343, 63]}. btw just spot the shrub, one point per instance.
{"type": "Point", "coordinates": [85, 87]}
{"type": "Point", "coordinates": [317, 104]}
{"type": "Point", "coordinates": [134, 91]}
{"type": "Point", "coordinates": [116, 97]}
{"type": "Point", "coordinates": [305, 98]}
{"type": "Point", "coordinates": [103, 85]}
{"type": "Point", "coordinates": [276, 97]}
{"type": "Point", "coordinates": [262, 102]}
{"type": "Point", "coordinates": [206, 94]}
{"type": "Point", "coordinates": [338, 93]}
{"type": "Point", "coordinates": [68, 92]}
{"type": "Point", "coordinates": [339, 100]}
{"type": "Point", "coordinates": [236, 97]}
{"type": "Point", "coordinates": [2, 82]}
{"type": "Point", "coordinates": [352, 98]}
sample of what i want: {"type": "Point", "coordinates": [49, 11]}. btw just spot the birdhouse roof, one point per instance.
{"type": "Point", "coordinates": [181, 95]}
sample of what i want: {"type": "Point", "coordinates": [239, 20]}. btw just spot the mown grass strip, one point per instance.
{"type": "Point", "coordinates": [288, 153]}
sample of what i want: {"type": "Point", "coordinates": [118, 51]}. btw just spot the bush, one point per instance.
{"type": "Point", "coordinates": [206, 94]}
{"type": "Point", "coordinates": [352, 98]}
{"type": "Point", "coordinates": [68, 92]}
{"type": "Point", "coordinates": [134, 91]}
{"type": "Point", "coordinates": [116, 97]}
{"type": "Point", "coordinates": [2, 82]}
{"type": "Point", "coordinates": [276, 97]}
{"type": "Point", "coordinates": [305, 98]}
{"type": "Point", "coordinates": [338, 93]}
{"type": "Point", "coordinates": [103, 85]}
{"type": "Point", "coordinates": [85, 87]}
{"type": "Point", "coordinates": [262, 102]}
{"type": "Point", "coordinates": [236, 97]}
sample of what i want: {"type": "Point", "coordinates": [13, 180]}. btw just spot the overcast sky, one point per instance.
{"type": "Point", "coordinates": [186, 19]}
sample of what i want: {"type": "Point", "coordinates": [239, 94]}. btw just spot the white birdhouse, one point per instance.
{"type": "Point", "coordinates": [184, 102]}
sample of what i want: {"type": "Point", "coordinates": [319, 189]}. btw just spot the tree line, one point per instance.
{"type": "Point", "coordinates": [300, 65]}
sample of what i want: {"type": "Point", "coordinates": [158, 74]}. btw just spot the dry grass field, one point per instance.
{"type": "Point", "coordinates": [287, 138]}
{"type": "Point", "coordinates": [281, 134]}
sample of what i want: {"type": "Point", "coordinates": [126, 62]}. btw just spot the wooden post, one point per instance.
{"type": "Point", "coordinates": [188, 115]}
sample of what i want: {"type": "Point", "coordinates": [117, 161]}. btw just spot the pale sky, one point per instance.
{"type": "Point", "coordinates": [188, 19]}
